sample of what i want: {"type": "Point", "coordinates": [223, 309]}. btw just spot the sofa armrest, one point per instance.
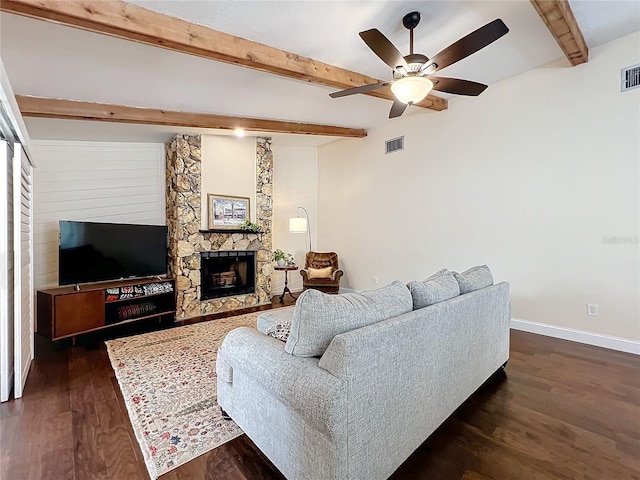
{"type": "Point", "coordinates": [337, 274]}
{"type": "Point", "coordinates": [297, 382]}
{"type": "Point", "coordinates": [305, 274]}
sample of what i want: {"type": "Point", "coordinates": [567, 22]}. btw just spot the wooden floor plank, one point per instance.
{"type": "Point", "coordinates": [562, 411]}
{"type": "Point", "coordinates": [116, 444]}
{"type": "Point", "coordinates": [57, 457]}
{"type": "Point", "coordinates": [89, 458]}
{"type": "Point", "coordinates": [20, 459]}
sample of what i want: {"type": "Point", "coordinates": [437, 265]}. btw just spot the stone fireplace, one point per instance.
{"type": "Point", "coordinates": [189, 243]}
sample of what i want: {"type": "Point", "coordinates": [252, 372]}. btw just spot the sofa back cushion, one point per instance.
{"type": "Point", "coordinates": [474, 279]}
{"type": "Point", "coordinates": [437, 288]}
{"type": "Point", "coordinates": [318, 317]}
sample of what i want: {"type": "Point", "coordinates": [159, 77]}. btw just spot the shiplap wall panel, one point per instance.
{"type": "Point", "coordinates": [46, 197]}
{"type": "Point", "coordinates": [95, 182]}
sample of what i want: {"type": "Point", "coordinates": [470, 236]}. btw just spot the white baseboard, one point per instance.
{"type": "Point", "coordinates": [580, 336]}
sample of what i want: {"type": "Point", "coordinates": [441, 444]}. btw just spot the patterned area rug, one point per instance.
{"type": "Point", "coordinates": [168, 381]}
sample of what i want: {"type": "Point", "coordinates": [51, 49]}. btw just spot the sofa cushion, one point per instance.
{"type": "Point", "coordinates": [273, 317]}
{"type": "Point", "coordinates": [474, 278]}
{"type": "Point", "coordinates": [318, 317]}
{"type": "Point", "coordinates": [280, 331]}
{"type": "Point", "coordinates": [437, 288]}
{"type": "Point", "coordinates": [319, 272]}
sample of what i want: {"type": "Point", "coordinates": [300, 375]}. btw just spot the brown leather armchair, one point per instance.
{"type": "Point", "coordinates": [321, 260]}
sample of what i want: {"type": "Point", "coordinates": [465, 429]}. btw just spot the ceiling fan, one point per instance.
{"type": "Point", "coordinates": [412, 74]}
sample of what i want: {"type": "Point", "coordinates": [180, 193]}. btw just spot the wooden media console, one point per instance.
{"type": "Point", "coordinates": [68, 311]}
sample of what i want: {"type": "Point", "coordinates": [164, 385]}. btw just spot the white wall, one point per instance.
{"type": "Point", "coordinates": [228, 168]}
{"type": "Point", "coordinates": [294, 184]}
{"type": "Point", "coordinates": [534, 178]}
{"type": "Point", "coordinates": [92, 181]}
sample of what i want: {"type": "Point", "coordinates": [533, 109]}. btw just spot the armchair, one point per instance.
{"type": "Point", "coordinates": [321, 272]}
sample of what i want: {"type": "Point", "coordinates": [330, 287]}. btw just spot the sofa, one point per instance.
{"type": "Point", "coordinates": [363, 378]}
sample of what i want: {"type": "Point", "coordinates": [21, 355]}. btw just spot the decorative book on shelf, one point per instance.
{"type": "Point", "coordinates": [125, 312]}
{"type": "Point", "coordinates": [132, 291]}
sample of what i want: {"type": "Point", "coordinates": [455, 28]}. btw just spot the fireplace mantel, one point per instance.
{"type": "Point", "coordinates": [229, 231]}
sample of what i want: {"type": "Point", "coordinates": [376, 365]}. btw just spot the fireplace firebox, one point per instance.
{"type": "Point", "coordinates": [227, 273]}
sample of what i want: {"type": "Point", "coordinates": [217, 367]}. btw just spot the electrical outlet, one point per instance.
{"type": "Point", "coordinates": [592, 309]}
{"type": "Point", "coordinates": [375, 280]}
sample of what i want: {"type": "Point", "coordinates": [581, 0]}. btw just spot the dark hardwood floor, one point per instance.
{"type": "Point", "coordinates": [562, 411]}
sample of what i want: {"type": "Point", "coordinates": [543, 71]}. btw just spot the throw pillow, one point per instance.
{"type": "Point", "coordinates": [280, 331]}
{"type": "Point", "coordinates": [319, 272]}
{"type": "Point", "coordinates": [474, 279]}
{"type": "Point", "coordinates": [437, 288]}
{"type": "Point", "coordinates": [318, 317]}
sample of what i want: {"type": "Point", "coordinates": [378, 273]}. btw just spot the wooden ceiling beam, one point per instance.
{"type": "Point", "coordinates": [130, 22]}
{"type": "Point", "coordinates": [74, 110]}
{"type": "Point", "coordinates": [559, 19]}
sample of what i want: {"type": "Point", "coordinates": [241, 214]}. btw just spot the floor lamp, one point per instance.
{"type": "Point", "coordinates": [300, 224]}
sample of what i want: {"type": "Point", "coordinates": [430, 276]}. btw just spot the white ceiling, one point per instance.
{"type": "Point", "coordinates": [50, 60]}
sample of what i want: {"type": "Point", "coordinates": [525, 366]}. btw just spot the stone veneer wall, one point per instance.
{"type": "Point", "coordinates": [184, 182]}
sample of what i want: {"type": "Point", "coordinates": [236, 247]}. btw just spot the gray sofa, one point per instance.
{"type": "Point", "coordinates": [364, 378]}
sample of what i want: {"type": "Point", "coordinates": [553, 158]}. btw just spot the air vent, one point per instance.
{"type": "Point", "coordinates": [630, 78]}
{"type": "Point", "coordinates": [394, 145]}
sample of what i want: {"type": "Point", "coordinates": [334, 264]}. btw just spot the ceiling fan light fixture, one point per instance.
{"type": "Point", "coordinates": [412, 89]}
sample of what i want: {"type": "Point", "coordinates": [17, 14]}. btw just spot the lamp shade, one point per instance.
{"type": "Point", "coordinates": [411, 89]}
{"type": "Point", "coordinates": [298, 225]}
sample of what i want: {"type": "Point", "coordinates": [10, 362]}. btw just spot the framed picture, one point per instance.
{"type": "Point", "coordinates": [227, 212]}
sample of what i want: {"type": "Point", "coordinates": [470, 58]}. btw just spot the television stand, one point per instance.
{"type": "Point", "coordinates": [68, 311]}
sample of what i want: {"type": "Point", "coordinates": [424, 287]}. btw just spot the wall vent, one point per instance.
{"type": "Point", "coordinates": [394, 145]}
{"type": "Point", "coordinates": [630, 78]}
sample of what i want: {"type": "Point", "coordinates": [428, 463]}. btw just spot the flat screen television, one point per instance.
{"type": "Point", "coordinates": [93, 252]}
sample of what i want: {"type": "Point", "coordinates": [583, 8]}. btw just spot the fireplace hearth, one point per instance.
{"type": "Point", "coordinates": [227, 273]}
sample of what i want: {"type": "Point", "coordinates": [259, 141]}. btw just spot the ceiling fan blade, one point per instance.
{"type": "Point", "coordinates": [384, 49]}
{"type": "Point", "coordinates": [397, 109]}
{"type": "Point", "coordinates": [457, 86]}
{"type": "Point", "coordinates": [354, 90]}
{"type": "Point", "coordinates": [464, 47]}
